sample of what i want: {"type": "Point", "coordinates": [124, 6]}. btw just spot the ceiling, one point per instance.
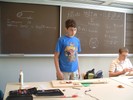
{"type": "Point", "coordinates": [128, 4]}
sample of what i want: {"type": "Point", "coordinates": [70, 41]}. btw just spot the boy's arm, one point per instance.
{"type": "Point", "coordinates": [56, 61]}
{"type": "Point", "coordinates": [79, 50]}
{"type": "Point", "coordinates": [78, 66]}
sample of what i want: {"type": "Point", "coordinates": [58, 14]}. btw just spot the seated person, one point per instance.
{"type": "Point", "coordinates": [120, 65]}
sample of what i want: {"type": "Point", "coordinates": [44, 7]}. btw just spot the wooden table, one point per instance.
{"type": "Point", "coordinates": [107, 91]}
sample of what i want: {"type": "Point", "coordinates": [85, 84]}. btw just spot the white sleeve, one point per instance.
{"type": "Point", "coordinates": [112, 67]}
{"type": "Point", "coordinates": [130, 64]}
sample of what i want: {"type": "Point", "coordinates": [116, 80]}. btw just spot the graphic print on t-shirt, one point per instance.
{"type": "Point", "coordinates": [70, 52]}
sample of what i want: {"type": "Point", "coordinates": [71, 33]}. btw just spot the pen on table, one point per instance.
{"type": "Point", "coordinates": [73, 96]}
{"type": "Point", "coordinates": [76, 88]}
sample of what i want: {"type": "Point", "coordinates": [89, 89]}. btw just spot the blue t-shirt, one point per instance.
{"type": "Point", "coordinates": [68, 47]}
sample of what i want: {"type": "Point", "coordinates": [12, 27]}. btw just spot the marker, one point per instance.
{"type": "Point", "coordinates": [73, 96]}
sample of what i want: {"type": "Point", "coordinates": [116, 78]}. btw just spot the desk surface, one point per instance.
{"type": "Point", "coordinates": [128, 80]}
{"type": "Point", "coordinates": [108, 91]}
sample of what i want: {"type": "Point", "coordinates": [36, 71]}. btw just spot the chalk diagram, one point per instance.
{"type": "Point", "coordinates": [93, 43]}
{"type": "Point", "coordinates": [23, 14]}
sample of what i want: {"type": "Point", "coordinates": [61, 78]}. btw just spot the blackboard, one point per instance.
{"type": "Point", "coordinates": [100, 32]}
{"type": "Point", "coordinates": [29, 28]}
{"type": "Point", "coordinates": [129, 32]}
{"type": "Point", "coordinates": [35, 28]}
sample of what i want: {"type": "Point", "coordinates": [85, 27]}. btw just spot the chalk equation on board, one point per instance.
{"type": "Point", "coordinates": [25, 14]}
{"type": "Point", "coordinates": [28, 25]}
{"type": "Point", "coordinates": [94, 14]}
{"type": "Point", "coordinates": [110, 43]}
{"type": "Point", "coordinates": [25, 21]}
{"type": "Point", "coordinates": [93, 43]}
{"type": "Point", "coordinates": [85, 28]}
{"type": "Point", "coordinates": [100, 31]}
{"type": "Point", "coordinates": [72, 14]}
{"type": "Point", "coordinates": [110, 40]}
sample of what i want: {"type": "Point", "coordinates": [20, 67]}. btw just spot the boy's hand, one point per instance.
{"type": "Point", "coordinates": [60, 75]}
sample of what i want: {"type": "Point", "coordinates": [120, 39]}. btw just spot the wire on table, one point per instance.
{"type": "Point", "coordinates": [87, 93]}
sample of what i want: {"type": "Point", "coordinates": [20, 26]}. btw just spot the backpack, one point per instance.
{"type": "Point", "coordinates": [98, 74]}
{"type": "Point", "coordinates": [87, 73]}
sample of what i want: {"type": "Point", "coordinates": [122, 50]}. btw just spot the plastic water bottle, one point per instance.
{"type": "Point", "coordinates": [21, 78]}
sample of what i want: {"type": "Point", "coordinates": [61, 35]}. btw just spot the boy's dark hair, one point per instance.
{"type": "Point", "coordinates": [124, 49]}
{"type": "Point", "coordinates": [70, 23]}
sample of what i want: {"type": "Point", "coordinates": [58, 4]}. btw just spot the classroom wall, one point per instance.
{"type": "Point", "coordinates": [42, 68]}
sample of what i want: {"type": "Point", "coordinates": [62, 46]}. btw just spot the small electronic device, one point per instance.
{"type": "Point", "coordinates": [49, 92]}
{"type": "Point", "coordinates": [22, 92]}
{"type": "Point", "coordinates": [29, 97]}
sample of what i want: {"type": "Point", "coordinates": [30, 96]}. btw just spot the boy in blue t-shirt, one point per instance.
{"type": "Point", "coordinates": [66, 53]}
